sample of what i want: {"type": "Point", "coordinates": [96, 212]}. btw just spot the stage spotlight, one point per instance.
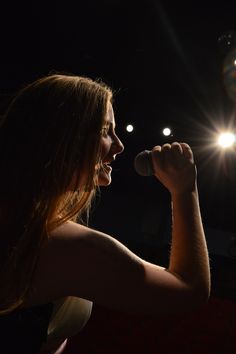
{"type": "Point", "coordinates": [129, 128]}
{"type": "Point", "coordinates": [226, 140]}
{"type": "Point", "coordinates": [166, 131]}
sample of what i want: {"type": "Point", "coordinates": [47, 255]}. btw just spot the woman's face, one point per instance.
{"type": "Point", "coordinates": [110, 147]}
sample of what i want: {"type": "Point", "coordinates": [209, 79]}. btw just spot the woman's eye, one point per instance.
{"type": "Point", "coordinates": [105, 131]}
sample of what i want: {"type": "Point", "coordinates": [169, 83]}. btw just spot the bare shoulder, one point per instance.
{"type": "Point", "coordinates": [79, 261]}
{"type": "Point", "coordinates": [85, 243]}
{"type": "Point", "coordinates": [71, 232]}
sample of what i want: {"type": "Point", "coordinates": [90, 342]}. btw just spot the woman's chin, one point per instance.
{"type": "Point", "coordinates": [104, 183]}
{"type": "Point", "coordinates": [104, 179]}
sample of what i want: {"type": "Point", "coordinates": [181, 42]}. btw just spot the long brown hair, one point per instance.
{"type": "Point", "coordinates": [49, 135]}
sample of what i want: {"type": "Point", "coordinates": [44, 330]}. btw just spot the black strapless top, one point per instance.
{"type": "Point", "coordinates": [24, 331]}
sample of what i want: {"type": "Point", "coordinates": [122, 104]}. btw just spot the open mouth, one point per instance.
{"type": "Point", "coordinates": [106, 166]}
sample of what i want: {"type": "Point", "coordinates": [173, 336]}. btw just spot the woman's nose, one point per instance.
{"type": "Point", "coordinates": [119, 145]}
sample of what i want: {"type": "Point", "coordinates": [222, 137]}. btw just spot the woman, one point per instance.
{"type": "Point", "coordinates": [57, 143]}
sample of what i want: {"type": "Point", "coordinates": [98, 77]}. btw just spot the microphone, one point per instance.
{"type": "Point", "coordinates": [143, 163]}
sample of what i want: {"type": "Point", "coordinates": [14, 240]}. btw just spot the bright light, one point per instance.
{"type": "Point", "coordinates": [226, 140]}
{"type": "Point", "coordinates": [129, 128]}
{"type": "Point", "coordinates": [166, 131]}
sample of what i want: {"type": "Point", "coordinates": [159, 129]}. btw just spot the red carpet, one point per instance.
{"type": "Point", "coordinates": [211, 330]}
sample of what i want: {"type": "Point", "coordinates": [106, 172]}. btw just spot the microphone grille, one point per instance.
{"type": "Point", "coordinates": [143, 163]}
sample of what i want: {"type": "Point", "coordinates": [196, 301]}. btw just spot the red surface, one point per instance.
{"type": "Point", "coordinates": [211, 330]}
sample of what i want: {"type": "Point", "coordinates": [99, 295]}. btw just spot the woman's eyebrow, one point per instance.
{"type": "Point", "coordinates": [110, 122]}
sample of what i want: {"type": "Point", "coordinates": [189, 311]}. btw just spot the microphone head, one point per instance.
{"type": "Point", "coordinates": [143, 163]}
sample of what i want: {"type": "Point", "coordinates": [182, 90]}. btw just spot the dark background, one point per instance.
{"type": "Point", "coordinates": [165, 61]}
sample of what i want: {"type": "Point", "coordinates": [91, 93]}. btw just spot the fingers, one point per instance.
{"type": "Point", "coordinates": [187, 151]}
{"type": "Point", "coordinates": [175, 153]}
{"type": "Point", "coordinates": [175, 148]}
{"type": "Point", "coordinates": [157, 157]}
{"type": "Point", "coordinates": [174, 166]}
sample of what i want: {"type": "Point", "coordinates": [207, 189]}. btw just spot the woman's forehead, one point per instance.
{"type": "Point", "coordinates": [110, 118]}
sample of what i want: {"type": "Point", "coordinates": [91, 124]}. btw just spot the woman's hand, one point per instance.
{"type": "Point", "coordinates": [174, 167]}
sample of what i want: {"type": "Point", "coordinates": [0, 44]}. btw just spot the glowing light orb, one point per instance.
{"type": "Point", "coordinates": [226, 140]}
{"type": "Point", "coordinates": [166, 131]}
{"type": "Point", "coordinates": [129, 128]}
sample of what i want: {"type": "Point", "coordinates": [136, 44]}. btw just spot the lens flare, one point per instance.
{"type": "Point", "coordinates": [226, 140]}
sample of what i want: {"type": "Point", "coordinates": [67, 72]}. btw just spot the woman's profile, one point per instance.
{"type": "Point", "coordinates": [57, 146]}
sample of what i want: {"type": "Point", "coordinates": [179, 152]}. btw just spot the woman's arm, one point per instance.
{"type": "Point", "coordinates": [174, 167]}
{"type": "Point", "coordinates": [82, 262]}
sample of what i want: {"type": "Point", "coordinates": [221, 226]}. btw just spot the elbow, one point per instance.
{"type": "Point", "coordinates": [202, 289]}
{"type": "Point", "coordinates": [204, 294]}
{"type": "Point", "coordinates": [195, 292]}
{"type": "Point", "coordinates": [198, 290]}
{"type": "Point", "coordinates": [198, 297]}
{"type": "Point", "coordinates": [200, 301]}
